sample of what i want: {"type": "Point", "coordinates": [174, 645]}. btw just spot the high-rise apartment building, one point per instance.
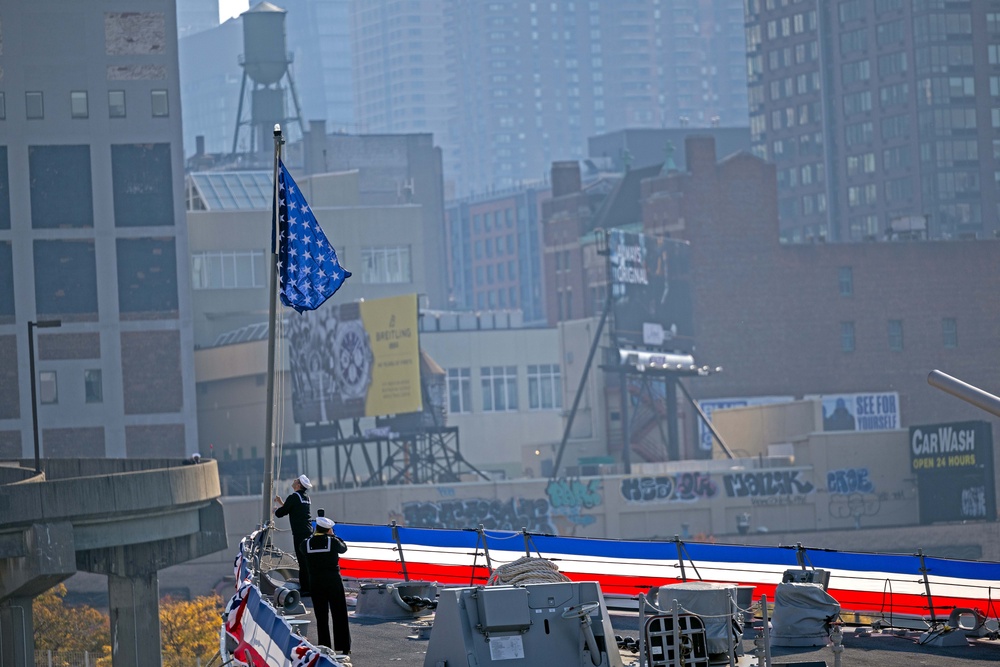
{"type": "Point", "coordinates": [509, 86]}
{"type": "Point", "coordinates": [882, 116]}
{"type": "Point", "coordinates": [92, 233]}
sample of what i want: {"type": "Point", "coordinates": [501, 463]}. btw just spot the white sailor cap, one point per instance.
{"type": "Point", "coordinates": [324, 522]}
{"type": "Point", "coordinates": [304, 481]}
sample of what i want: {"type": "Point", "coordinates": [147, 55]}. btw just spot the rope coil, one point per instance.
{"type": "Point", "coordinates": [526, 570]}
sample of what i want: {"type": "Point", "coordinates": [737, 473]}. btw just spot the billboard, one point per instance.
{"type": "Point", "coordinates": [355, 360]}
{"type": "Point", "coordinates": [651, 290]}
{"type": "Point", "coordinates": [953, 463]}
{"type": "Point", "coordinates": [875, 411]}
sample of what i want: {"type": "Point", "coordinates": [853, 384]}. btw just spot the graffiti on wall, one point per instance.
{"type": "Point", "coordinates": [974, 502]}
{"type": "Point", "coordinates": [773, 487]}
{"type": "Point", "coordinates": [682, 487]}
{"type": "Point", "coordinates": [570, 497]}
{"type": "Point", "coordinates": [849, 480]}
{"type": "Point", "coordinates": [510, 514]}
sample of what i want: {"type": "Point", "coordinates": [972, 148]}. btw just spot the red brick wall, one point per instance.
{"type": "Point", "coordinates": [10, 399]}
{"type": "Point", "coordinates": [80, 442]}
{"type": "Point", "coordinates": [69, 346]}
{"type": "Point", "coordinates": [10, 445]}
{"type": "Point", "coordinates": [151, 372]}
{"type": "Point", "coordinates": [161, 441]}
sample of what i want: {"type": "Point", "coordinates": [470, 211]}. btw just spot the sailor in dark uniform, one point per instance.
{"type": "Point", "coordinates": [297, 508]}
{"type": "Point", "coordinates": [323, 553]}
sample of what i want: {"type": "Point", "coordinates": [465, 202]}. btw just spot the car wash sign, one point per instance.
{"type": "Point", "coordinates": [953, 463]}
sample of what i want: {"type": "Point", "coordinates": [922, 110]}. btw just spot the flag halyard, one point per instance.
{"type": "Point", "coordinates": [309, 271]}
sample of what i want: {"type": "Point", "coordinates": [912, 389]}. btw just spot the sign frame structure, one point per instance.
{"type": "Point", "coordinates": [651, 292]}
{"type": "Point", "coordinates": [355, 360]}
{"type": "Point", "coordinates": [953, 463]}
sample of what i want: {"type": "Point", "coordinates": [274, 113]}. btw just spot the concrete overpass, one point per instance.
{"type": "Point", "coordinates": [123, 518]}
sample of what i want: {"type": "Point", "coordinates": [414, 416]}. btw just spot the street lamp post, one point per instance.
{"type": "Point", "coordinates": [41, 324]}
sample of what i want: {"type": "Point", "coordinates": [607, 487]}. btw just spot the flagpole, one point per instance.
{"type": "Point", "coordinates": [271, 335]}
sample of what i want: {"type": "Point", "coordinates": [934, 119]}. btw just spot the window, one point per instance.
{"type": "Point", "coordinates": [158, 101]}
{"type": "Point", "coordinates": [93, 387]}
{"type": "Point", "coordinates": [860, 164]}
{"type": "Point", "coordinates": [893, 63]}
{"type": "Point", "coordinates": [147, 275]}
{"type": "Point", "coordinates": [889, 33]}
{"type": "Point", "coordinates": [859, 70]}
{"type": "Point", "coordinates": [896, 335]}
{"type": "Point", "coordinates": [34, 108]}
{"type": "Point", "coordinates": [459, 390]}
{"type": "Point", "coordinates": [237, 269]}
{"type": "Point", "coordinates": [858, 133]}
{"type": "Point", "coordinates": [949, 330]}
{"type": "Point", "coordinates": [857, 102]}
{"type": "Point", "coordinates": [499, 385]}
{"type": "Point", "coordinates": [116, 103]}
{"type": "Point", "coordinates": [544, 387]}
{"type": "Point", "coordinates": [851, 42]}
{"type": "Point", "coordinates": [846, 281]}
{"type": "Point", "coordinates": [78, 104]}
{"type": "Point", "coordinates": [72, 290]}
{"type": "Point", "coordinates": [847, 336]}
{"type": "Point", "coordinates": [142, 184]}
{"type": "Point", "coordinates": [48, 388]}
{"type": "Point", "coordinates": [384, 265]}
{"type": "Point", "coordinates": [3, 106]}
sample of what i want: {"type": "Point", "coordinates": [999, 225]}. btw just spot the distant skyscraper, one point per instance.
{"type": "Point", "coordinates": [880, 115]}
{"type": "Point", "coordinates": [196, 15]}
{"type": "Point", "coordinates": [509, 86]}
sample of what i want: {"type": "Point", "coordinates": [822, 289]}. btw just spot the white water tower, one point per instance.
{"type": "Point", "coordinates": [266, 65]}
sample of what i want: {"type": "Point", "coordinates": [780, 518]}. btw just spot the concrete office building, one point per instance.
{"type": "Point", "coordinates": [880, 116]}
{"type": "Point", "coordinates": [507, 87]}
{"type": "Point", "coordinates": [92, 232]}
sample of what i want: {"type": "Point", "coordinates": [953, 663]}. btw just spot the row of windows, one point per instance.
{"type": "Point", "coordinates": [228, 270]}
{"type": "Point", "coordinates": [491, 246]}
{"type": "Point", "coordinates": [894, 330]}
{"type": "Point", "coordinates": [61, 185]}
{"type": "Point", "coordinates": [499, 298]}
{"type": "Point", "coordinates": [48, 387]}
{"type": "Point", "coordinates": [495, 273]}
{"type": "Point", "coordinates": [79, 104]}
{"type": "Point", "coordinates": [498, 385]}
{"type": "Point", "coordinates": [487, 221]}
{"type": "Point", "coordinates": [386, 265]}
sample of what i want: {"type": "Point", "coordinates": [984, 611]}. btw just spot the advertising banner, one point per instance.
{"type": "Point", "coordinates": [878, 411]}
{"type": "Point", "coordinates": [954, 467]}
{"type": "Point", "coordinates": [355, 360]}
{"type": "Point", "coordinates": [651, 288]}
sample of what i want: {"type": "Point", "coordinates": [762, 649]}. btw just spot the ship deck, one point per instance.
{"type": "Point", "coordinates": [384, 643]}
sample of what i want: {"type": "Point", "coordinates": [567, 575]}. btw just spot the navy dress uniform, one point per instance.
{"type": "Point", "coordinates": [297, 508]}
{"type": "Point", "coordinates": [323, 551]}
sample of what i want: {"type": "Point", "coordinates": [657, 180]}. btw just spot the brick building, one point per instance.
{"type": "Point", "coordinates": [92, 233]}
{"type": "Point", "coordinates": [793, 319]}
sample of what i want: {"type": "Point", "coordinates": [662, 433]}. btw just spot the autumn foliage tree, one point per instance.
{"type": "Point", "coordinates": [67, 631]}
{"type": "Point", "coordinates": [189, 630]}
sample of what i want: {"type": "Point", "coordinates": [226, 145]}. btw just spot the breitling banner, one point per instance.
{"type": "Point", "coordinates": [355, 360]}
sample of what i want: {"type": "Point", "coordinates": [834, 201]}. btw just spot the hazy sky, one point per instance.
{"type": "Point", "coordinates": [230, 8]}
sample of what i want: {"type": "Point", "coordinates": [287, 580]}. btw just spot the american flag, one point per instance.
{"type": "Point", "coordinates": [308, 269]}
